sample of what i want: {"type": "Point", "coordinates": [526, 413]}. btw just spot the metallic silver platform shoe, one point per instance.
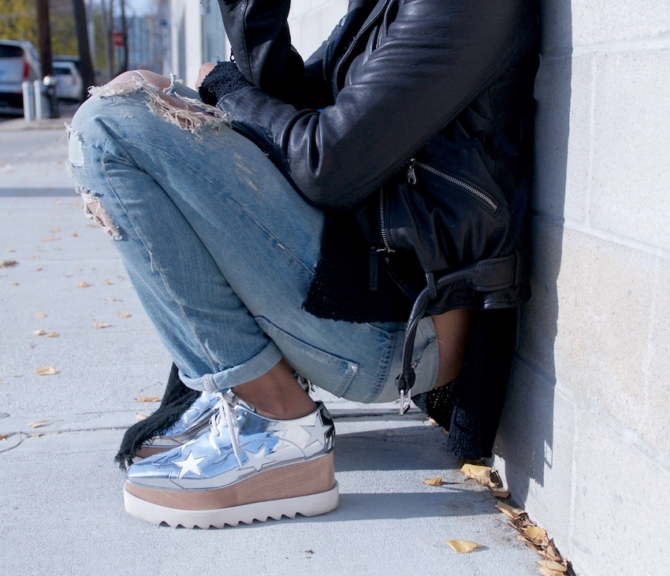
{"type": "Point", "coordinates": [244, 467]}
{"type": "Point", "coordinates": [188, 427]}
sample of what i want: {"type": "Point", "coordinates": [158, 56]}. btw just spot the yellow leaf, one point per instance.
{"type": "Point", "coordinates": [46, 371]}
{"type": "Point", "coordinates": [551, 553]}
{"type": "Point", "coordinates": [39, 424]}
{"type": "Point", "coordinates": [53, 335]}
{"type": "Point", "coordinates": [551, 565]}
{"type": "Point", "coordinates": [40, 315]}
{"type": "Point", "coordinates": [99, 325]}
{"type": "Point", "coordinates": [547, 572]}
{"type": "Point", "coordinates": [83, 284]}
{"type": "Point", "coordinates": [536, 534]}
{"type": "Point", "coordinates": [508, 510]}
{"type": "Point", "coordinates": [463, 546]}
{"type": "Point", "coordinates": [39, 333]}
{"type": "Point", "coordinates": [125, 314]}
{"type": "Point", "coordinates": [8, 263]}
{"type": "Point", "coordinates": [433, 481]}
{"type": "Point", "coordinates": [471, 470]}
{"type": "Point", "coordinates": [141, 416]}
{"type": "Point", "coordinates": [501, 493]}
{"type": "Point", "coordinates": [148, 399]}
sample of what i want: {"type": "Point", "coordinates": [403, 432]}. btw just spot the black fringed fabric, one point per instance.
{"type": "Point", "coordinates": [438, 403]}
{"type": "Point", "coordinates": [225, 78]}
{"type": "Point", "coordinates": [176, 400]}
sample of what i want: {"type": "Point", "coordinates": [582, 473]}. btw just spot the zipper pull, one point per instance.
{"type": "Point", "coordinates": [411, 174]}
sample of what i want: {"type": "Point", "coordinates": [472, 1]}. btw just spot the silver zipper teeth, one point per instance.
{"type": "Point", "coordinates": [492, 203]}
{"type": "Point", "coordinates": [382, 222]}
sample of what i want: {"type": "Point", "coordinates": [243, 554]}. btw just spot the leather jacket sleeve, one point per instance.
{"type": "Point", "coordinates": [398, 84]}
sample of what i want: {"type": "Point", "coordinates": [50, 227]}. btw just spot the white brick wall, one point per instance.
{"type": "Point", "coordinates": [585, 438]}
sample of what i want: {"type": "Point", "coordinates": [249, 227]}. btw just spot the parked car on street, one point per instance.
{"type": "Point", "coordinates": [69, 85]}
{"type": "Point", "coordinates": [19, 62]}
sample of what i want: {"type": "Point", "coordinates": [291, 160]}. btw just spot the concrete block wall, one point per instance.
{"type": "Point", "coordinates": [585, 439]}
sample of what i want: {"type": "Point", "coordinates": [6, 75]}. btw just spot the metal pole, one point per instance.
{"type": "Point", "coordinates": [28, 101]}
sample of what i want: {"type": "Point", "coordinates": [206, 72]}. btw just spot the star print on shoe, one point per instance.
{"type": "Point", "coordinates": [243, 467]}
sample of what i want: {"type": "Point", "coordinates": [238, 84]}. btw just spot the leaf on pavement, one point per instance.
{"type": "Point", "coordinates": [55, 229]}
{"type": "Point", "coordinates": [3, 436]}
{"type": "Point", "coordinates": [99, 325]}
{"type": "Point", "coordinates": [53, 335]}
{"type": "Point", "coordinates": [433, 481]}
{"type": "Point", "coordinates": [39, 424]}
{"type": "Point", "coordinates": [40, 315]}
{"type": "Point", "coordinates": [8, 263]}
{"type": "Point", "coordinates": [46, 371]}
{"type": "Point", "coordinates": [50, 239]}
{"type": "Point", "coordinates": [107, 283]}
{"type": "Point", "coordinates": [508, 510]}
{"type": "Point", "coordinates": [501, 493]}
{"type": "Point", "coordinates": [15, 283]}
{"type": "Point", "coordinates": [83, 284]}
{"type": "Point", "coordinates": [548, 572]}
{"type": "Point", "coordinates": [75, 235]}
{"type": "Point", "coordinates": [39, 333]}
{"type": "Point", "coordinates": [557, 567]}
{"type": "Point", "coordinates": [141, 416]}
{"type": "Point", "coordinates": [536, 534]}
{"type": "Point", "coordinates": [148, 399]}
{"type": "Point", "coordinates": [463, 546]}
{"type": "Point", "coordinates": [125, 314]}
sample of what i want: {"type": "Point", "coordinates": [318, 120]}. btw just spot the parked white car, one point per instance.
{"type": "Point", "coordinates": [69, 83]}
{"type": "Point", "coordinates": [19, 62]}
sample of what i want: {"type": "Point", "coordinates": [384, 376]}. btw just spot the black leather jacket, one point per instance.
{"type": "Point", "coordinates": [416, 117]}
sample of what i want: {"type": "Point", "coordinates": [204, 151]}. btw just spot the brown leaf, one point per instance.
{"type": "Point", "coordinates": [83, 284]}
{"type": "Point", "coordinates": [433, 481]}
{"type": "Point", "coordinates": [551, 553]}
{"type": "Point", "coordinates": [39, 333]}
{"type": "Point", "coordinates": [38, 269]}
{"type": "Point", "coordinates": [15, 283]}
{"type": "Point", "coordinates": [508, 510]}
{"type": "Point", "coordinates": [148, 399]}
{"type": "Point", "coordinates": [39, 424]}
{"type": "Point", "coordinates": [555, 566]}
{"type": "Point", "coordinates": [75, 235]}
{"type": "Point", "coordinates": [501, 493]}
{"type": "Point", "coordinates": [3, 436]}
{"type": "Point", "coordinates": [548, 572]}
{"type": "Point", "coordinates": [141, 416]}
{"type": "Point", "coordinates": [107, 283]}
{"type": "Point", "coordinates": [40, 315]}
{"type": "Point", "coordinates": [463, 546]}
{"type": "Point", "coordinates": [46, 371]}
{"type": "Point", "coordinates": [125, 314]}
{"type": "Point", "coordinates": [536, 534]}
{"type": "Point", "coordinates": [53, 335]}
{"type": "Point", "coordinates": [50, 239]}
{"type": "Point", "coordinates": [8, 263]}
{"type": "Point", "coordinates": [99, 325]}
{"type": "Point", "coordinates": [55, 229]}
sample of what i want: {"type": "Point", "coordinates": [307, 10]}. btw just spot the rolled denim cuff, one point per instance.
{"type": "Point", "coordinates": [253, 368]}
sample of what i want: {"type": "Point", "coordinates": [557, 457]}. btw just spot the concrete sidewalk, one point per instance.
{"type": "Point", "coordinates": [61, 509]}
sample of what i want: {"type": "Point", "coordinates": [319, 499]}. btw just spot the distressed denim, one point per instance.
{"type": "Point", "coordinates": [221, 250]}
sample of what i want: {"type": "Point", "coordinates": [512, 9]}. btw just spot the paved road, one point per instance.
{"type": "Point", "coordinates": [61, 506]}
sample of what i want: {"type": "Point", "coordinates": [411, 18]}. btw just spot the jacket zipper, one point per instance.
{"type": "Point", "coordinates": [411, 179]}
{"type": "Point", "coordinates": [382, 224]}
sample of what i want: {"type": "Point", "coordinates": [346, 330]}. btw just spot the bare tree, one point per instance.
{"type": "Point", "coordinates": [85, 61]}
{"type": "Point", "coordinates": [44, 36]}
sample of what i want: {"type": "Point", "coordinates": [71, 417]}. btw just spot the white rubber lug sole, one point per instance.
{"type": "Point", "coordinates": [311, 505]}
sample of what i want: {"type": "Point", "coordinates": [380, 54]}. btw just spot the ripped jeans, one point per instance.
{"type": "Point", "coordinates": [221, 250]}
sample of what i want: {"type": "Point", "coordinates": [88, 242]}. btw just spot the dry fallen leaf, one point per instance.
{"type": "Point", "coordinates": [15, 283]}
{"type": "Point", "coordinates": [39, 424]}
{"type": "Point", "coordinates": [83, 284]}
{"type": "Point", "coordinates": [99, 325]}
{"type": "Point", "coordinates": [8, 263]}
{"type": "Point", "coordinates": [500, 493]}
{"type": "Point", "coordinates": [141, 416]}
{"type": "Point", "coordinates": [10, 250]}
{"type": "Point", "coordinates": [53, 335]}
{"type": "Point", "coordinates": [148, 399]}
{"type": "Point", "coordinates": [471, 470]}
{"type": "Point", "coordinates": [50, 239]}
{"type": "Point", "coordinates": [551, 553]}
{"type": "Point", "coordinates": [107, 283]}
{"type": "Point", "coordinates": [555, 566]}
{"type": "Point", "coordinates": [36, 435]}
{"type": "Point", "coordinates": [433, 481]}
{"type": "Point", "coordinates": [548, 572]}
{"type": "Point", "coordinates": [46, 371]}
{"type": "Point", "coordinates": [125, 314]}
{"type": "Point", "coordinates": [75, 235]}
{"type": "Point", "coordinates": [536, 534]}
{"type": "Point", "coordinates": [463, 546]}
{"type": "Point", "coordinates": [39, 333]}
{"type": "Point", "coordinates": [3, 436]}
{"type": "Point", "coordinates": [38, 269]}
{"type": "Point", "coordinates": [55, 229]}
{"type": "Point", "coordinates": [40, 315]}
{"type": "Point", "coordinates": [508, 510]}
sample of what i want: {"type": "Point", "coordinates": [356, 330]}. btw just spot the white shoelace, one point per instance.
{"type": "Point", "coordinates": [225, 416]}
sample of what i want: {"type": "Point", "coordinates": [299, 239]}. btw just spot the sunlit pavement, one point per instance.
{"type": "Point", "coordinates": [61, 507]}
